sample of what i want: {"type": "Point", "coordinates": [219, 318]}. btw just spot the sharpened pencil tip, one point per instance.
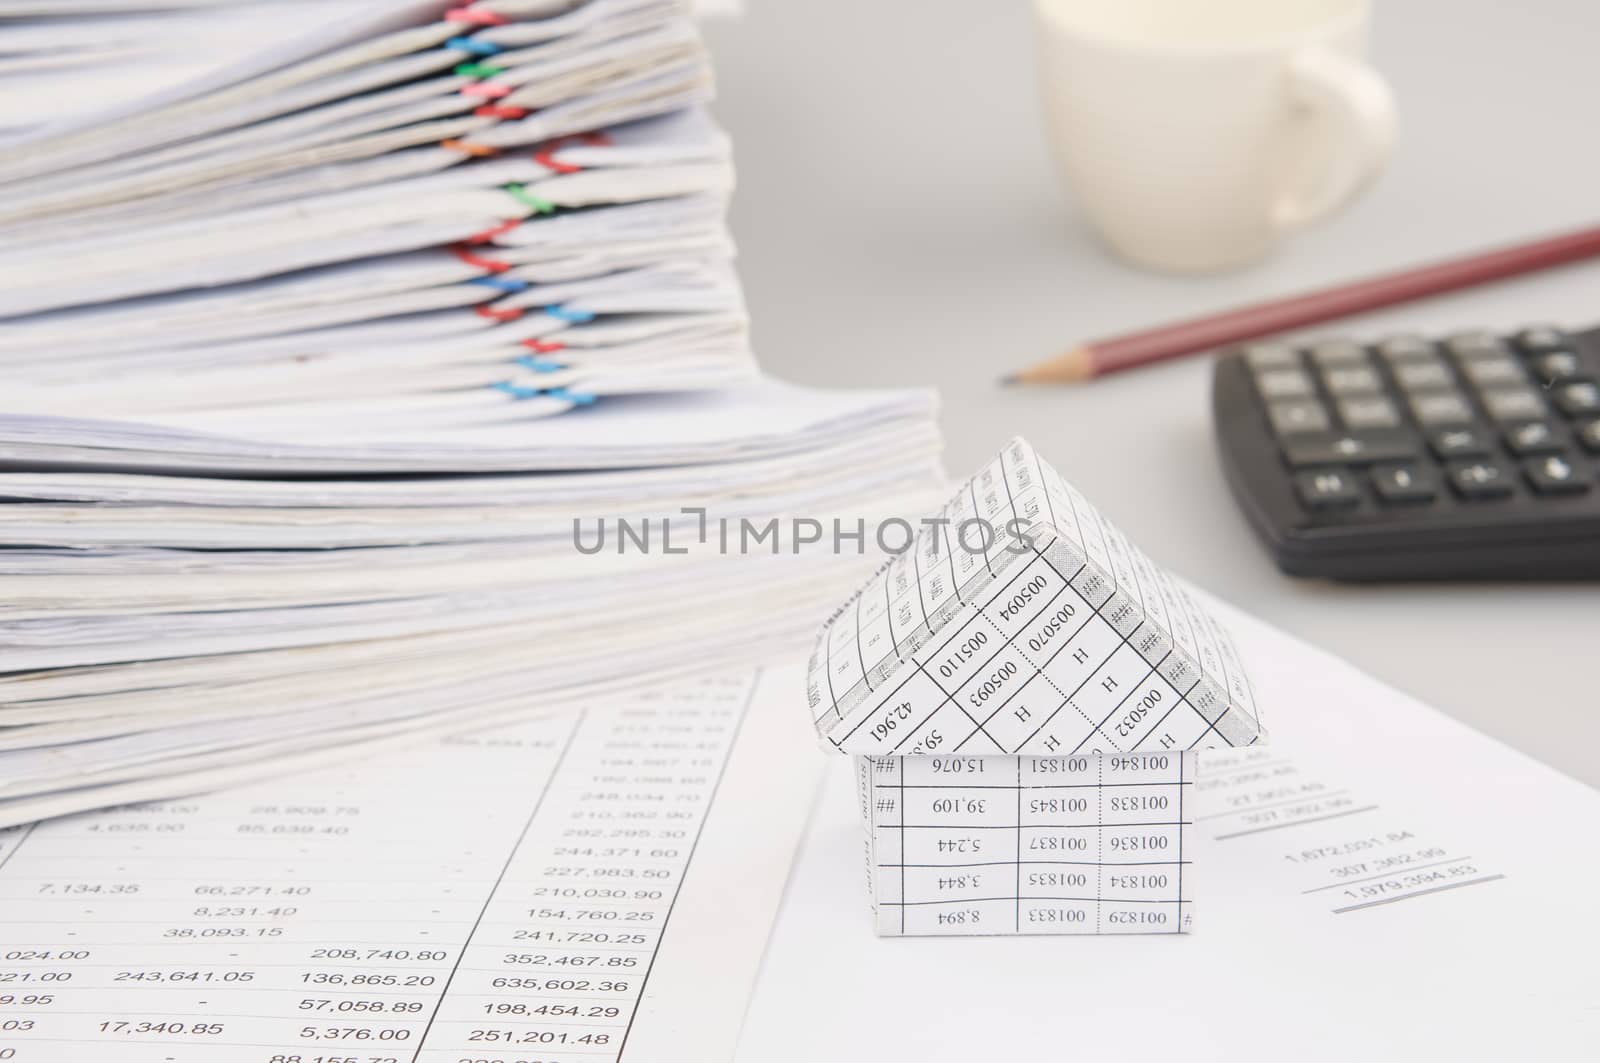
{"type": "Point", "coordinates": [1069, 367]}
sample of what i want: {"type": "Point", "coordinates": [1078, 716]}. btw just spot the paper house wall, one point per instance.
{"type": "Point", "coordinates": [1024, 694]}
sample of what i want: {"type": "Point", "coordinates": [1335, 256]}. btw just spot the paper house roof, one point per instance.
{"type": "Point", "coordinates": [1021, 621]}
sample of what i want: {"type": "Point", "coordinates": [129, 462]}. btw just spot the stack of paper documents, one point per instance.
{"type": "Point", "coordinates": [384, 373]}
{"type": "Point", "coordinates": [426, 226]}
{"type": "Point", "coordinates": [77, 54]}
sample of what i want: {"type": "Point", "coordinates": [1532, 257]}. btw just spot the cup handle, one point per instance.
{"type": "Point", "coordinates": [1357, 104]}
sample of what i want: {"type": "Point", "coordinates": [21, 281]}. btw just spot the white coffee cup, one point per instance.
{"type": "Point", "coordinates": [1197, 133]}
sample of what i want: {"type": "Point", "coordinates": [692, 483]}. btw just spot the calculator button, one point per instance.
{"type": "Point", "coordinates": [1285, 384]}
{"type": "Point", "coordinates": [1399, 349]}
{"type": "Point", "coordinates": [1537, 339]}
{"type": "Point", "coordinates": [1374, 412]}
{"type": "Point", "coordinates": [1554, 475]}
{"type": "Point", "coordinates": [1490, 372]}
{"type": "Point", "coordinates": [1589, 436]}
{"type": "Point", "coordinates": [1271, 356]}
{"type": "Point", "coordinates": [1578, 398]}
{"type": "Point", "coordinates": [1479, 480]}
{"type": "Point", "coordinates": [1557, 366]}
{"type": "Point", "coordinates": [1512, 404]}
{"type": "Point", "coordinates": [1305, 415]}
{"type": "Point", "coordinates": [1352, 380]}
{"type": "Point", "coordinates": [1351, 448]}
{"type": "Point", "coordinates": [1450, 443]}
{"type": "Point", "coordinates": [1424, 376]}
{"type": "Point", "coordinates": [1327, 489]}
{"type": "Point", "coordinates": [1404, 483]}
{"type": "Point", "coordinates": [1445, 407]}
{"type": "Point", "coordinates": [1332, 354]}
{"type": "Point", "coordinates": [1471, 345]}
{"type": "Point", "coordinates": [1532, 437]}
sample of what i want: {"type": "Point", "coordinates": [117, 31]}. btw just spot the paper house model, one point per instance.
{"type": "Point", "coordinates": [1024, 693]}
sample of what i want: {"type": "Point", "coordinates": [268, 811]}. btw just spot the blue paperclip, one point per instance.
{"type": "Point", "coordinates": [516, 391]}
{"type": "Point", "coordinates": [504, 284]}
{"type": "Point", "coordinates": [577, 398]}
{"type": "Point", "coordinates": [538, 365]}
{"type": "Point", "coordinates": [576, 317]}
{"type": "Point", "coordinates": [473, 45]}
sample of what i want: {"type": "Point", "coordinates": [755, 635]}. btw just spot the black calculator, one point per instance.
{"type": "Point", "coordinates": [1470, 456]}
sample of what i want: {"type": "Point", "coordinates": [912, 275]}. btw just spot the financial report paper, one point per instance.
{"type": "Point", "coordinates": [1379, 884]}
{"type": "Point", "coordinates": [590, 886]}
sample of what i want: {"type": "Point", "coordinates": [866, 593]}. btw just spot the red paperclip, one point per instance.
{"type": "Point", "coordinates": [493, 265]}
{"type": "Point", "coordinates": [495, 110]}
{"type": "Point", "coordinates": [545, 156]}
{"type": "Point", "coordinates": [511, 314]}
{"type": "Point", "coordinates": [543, 346]}
{"type": "Point", "coordinates": [494, 230]}
{"type": "Point", "coordinates": [475, 16]}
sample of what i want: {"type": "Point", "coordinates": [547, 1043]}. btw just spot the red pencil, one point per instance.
{"type": "Point", "coordinates": [1099, 357]}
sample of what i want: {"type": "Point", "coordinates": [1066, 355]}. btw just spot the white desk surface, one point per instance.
{"type": "Point", "coordinates": [900, 223]}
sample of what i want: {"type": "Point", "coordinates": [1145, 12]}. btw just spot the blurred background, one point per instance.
{"type": "Point", "coordinates": [898, 197]}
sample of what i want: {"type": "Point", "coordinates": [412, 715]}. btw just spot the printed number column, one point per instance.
{"type": "Point", "coordinates": [959, 845]}
{"type": "Point", "coordinates": [1142, 811]}
{"type": "Point", "coordinates": [1059, 873]}
{"type": "Point", "coordinates": [558, 960]}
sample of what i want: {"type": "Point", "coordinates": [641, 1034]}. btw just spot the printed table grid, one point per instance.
{"type": "Point", "coordinates": [1020, 845]}
{"type": "Point", "coordinates": [1027, 643]}
{"type": "Point", "coordinates": [1163, 729]}
{"type": "Point", "coordinates": [538, 919]}
{"type": "Point", "coordinates": [996, 521]}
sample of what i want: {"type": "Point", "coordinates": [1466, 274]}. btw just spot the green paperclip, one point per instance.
{"type": "Point", "coordinates": [539, 204]}
{"type": "Point", "coordinates": [478, 70]}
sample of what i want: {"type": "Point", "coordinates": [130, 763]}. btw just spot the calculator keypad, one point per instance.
{"type": "Point", "coordinates": [1405, 483]}
{"type": "Point", "coordinates": [1471, 455]}
{"type": "Point", "coordinates": [1469, 346]}
{"type": "Point", "coordinates": [1446, 407]}
{"type": "Point", "coordinates": [1406, 348]}
{"type": "Point", "coordinates": [1430, 375]}
{"type": "Point", "coordinates": [1304, 416]}
{"type": "Point", "coordinates": [1554, 475]}
{"type": "Point", "coordinates": [1492, 372]}
{"type": "Point", "coordinates": [1557, 366]}
{"type": "Point", "coordinates": [1309, 449]}
{"type": "Point", "coordinates": [1512, 404]}
{"type": "Point", "coordinates": [1450, 443]}
{"type": "Point", "coordinates": [1263, 356]}
{"type": "Point", "coordinates": [1373, 412]}
{"type": "Point", "coordinates": [1336, 354]}
{"type": "Point", "coordinates": [1352, 380]}
{"type": "Point", "coordinates": [1533, 437]}
{"type": "Point", "coordinates": [1285, 384]}
{"type": "Point", "coordinates": [1332, 489]}
{"type": "Point", "coordinates": [1480, 480]}
{"type": "Point", "coordinates": [1536, 339]}
{"type": "Point", "coordinates": [1577, 398]}
{"type": "Point", "coordinates": [1475, 417]}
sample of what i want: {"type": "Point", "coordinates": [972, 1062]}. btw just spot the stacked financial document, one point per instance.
{"type": "Point", "coordinates": [386, 378]}
{"type": "Point", "coordinates": [77, 54]}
